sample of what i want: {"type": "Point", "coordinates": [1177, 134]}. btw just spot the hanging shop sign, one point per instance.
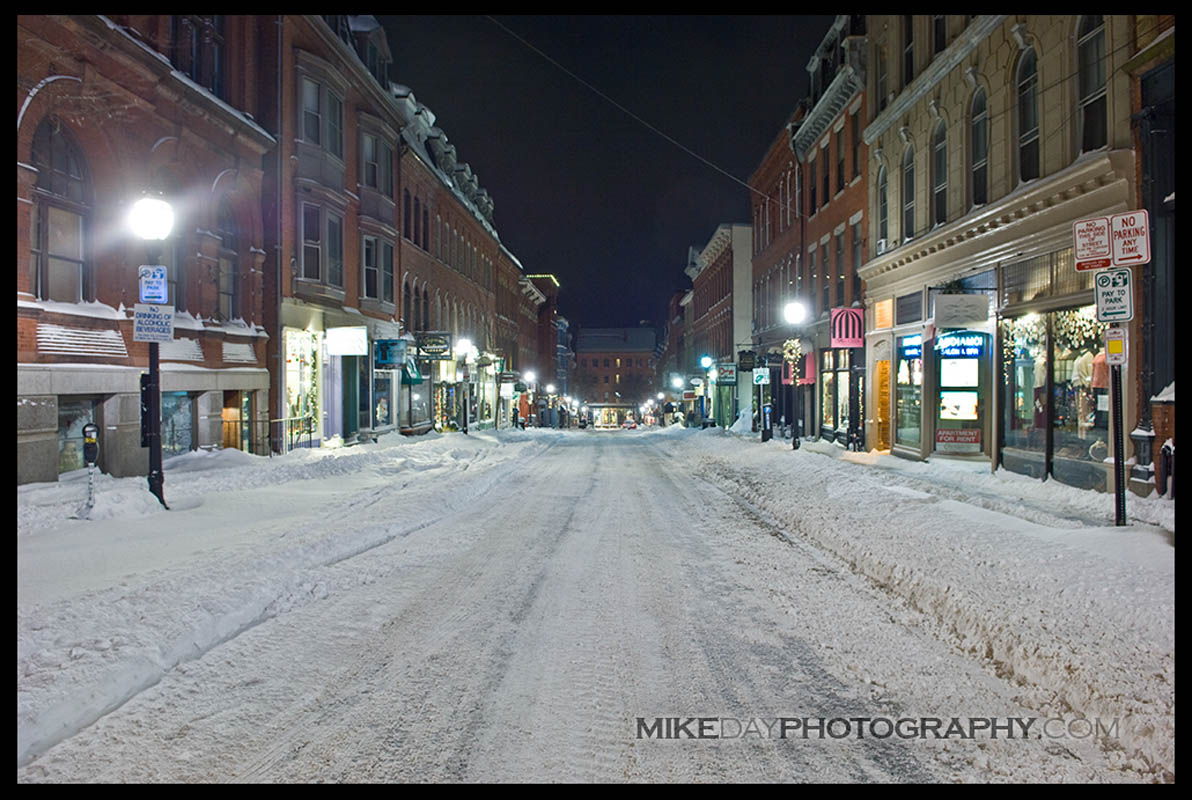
{"type": "Point", "coordinates": [848, 327]}
{"type": "Point", "coordinates": [746, 360]}
{"type": "Point", "coordinates": [959, 344]}
{"type": "Point", "coordinates": [389, 353]}
{"type": "Point", "coordinates": [726, 374]}
{"type": "Point", "coordinates": [508, 377]}
{"type": "Point", "coordinates": [1115, 297]}
{"type": "Point", "coordinates": [351, 341]}
{"type": "Point", "coordinates": [434, 345]}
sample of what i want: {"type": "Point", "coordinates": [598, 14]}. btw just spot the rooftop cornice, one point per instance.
{"type": "Point", "coordinates": [953, 56]}
{"type": "Point", "coordinates": [849, 80]}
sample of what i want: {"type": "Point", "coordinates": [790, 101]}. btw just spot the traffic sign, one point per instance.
{"type": "Point", "coordinates": [1115, 346]}
{"type": "Point", "coordinates": [1115, 298]}
{"type": "Point", "coordinates": [152, 323]}
{"type": "Point", "coordinates": [761, 377]}
{"type": "Point", "coordinates": [154, 284]}
{"type": "Point", "coordinates": [1131, 234]}
{"type": "Point", "coordinates": [1090, 240]}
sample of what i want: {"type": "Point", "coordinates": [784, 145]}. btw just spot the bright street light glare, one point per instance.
{"type": "Point", "coordinates": [794, 312]}
{"type": "Point", "coordinates": [151, 218]}
{"type": "Point", "coordinates": [677, 383]}
{"type": "Point", "coordinates": [706, 362]}
{"type": "Point", "coordinates": [530, 377]}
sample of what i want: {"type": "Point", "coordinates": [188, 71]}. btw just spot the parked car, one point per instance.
{"type": "Point", "coordinates": [629, 424]}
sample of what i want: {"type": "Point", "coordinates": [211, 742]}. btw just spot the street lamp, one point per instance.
{"type": "Point", "coordinates": [463, 348]}
{"type": "Point", "coordinates": [706, 362]}
{"type": "Point", "coordinates": [795, 313]}
{"type": "Point", "coordinates": [151, 220]}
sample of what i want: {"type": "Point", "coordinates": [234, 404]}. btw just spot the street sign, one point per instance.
{"type": "Point", "coordinates": [154, 284]}
{"type": "Point", "coordinates": [1090, 240]}
{"type": "Point", "coordinates": [152, 323]}
{"type": "Point", "coordinates": [1115, 298]}
{"type": "Point", "coordinates": [761, 377]}
{"type": "Point", "coordinates": [1115, 347]}
{"type": "Point", "coordinates": [1131, 233]}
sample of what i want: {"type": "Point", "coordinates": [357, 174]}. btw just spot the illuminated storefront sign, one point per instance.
{"type": "Point", "coordinates": [961, 344]}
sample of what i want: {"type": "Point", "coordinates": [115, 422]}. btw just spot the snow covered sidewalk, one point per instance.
{"type": "Point", "coordinates": [1017, 571]}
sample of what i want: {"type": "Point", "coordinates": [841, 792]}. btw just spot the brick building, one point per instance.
{"type": "Point", "coordinates": [721, 275]}
{"type": "Point", "coordinates": [616, 371]}
{"type": "Point", "coordinates": [777, 260]}
{"type": "Point", "coordinates": [111, 107]}
{"type": "Point", "coordinates": [829, 144]}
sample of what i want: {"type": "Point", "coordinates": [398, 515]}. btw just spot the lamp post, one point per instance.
{"type": "Point", "coordinates": [677, 385]}
{"type": "Point", "coordinates": [795, 313]}
{"type": "Point", "coordinates": [151, 220]}
{"type": "Point", "coordinates": [463, 348]}
{"type": "Point", "coordinates": [706, 362]}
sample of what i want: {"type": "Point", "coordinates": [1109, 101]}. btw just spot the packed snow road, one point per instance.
{"type": "Point", "coordinates": [526, 611]}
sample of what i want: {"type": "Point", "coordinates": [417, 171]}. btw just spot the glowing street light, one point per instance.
{"type": "Point", "coordinates": [795, 313]}
{"type": "Point", "coordinates": [152, 219]}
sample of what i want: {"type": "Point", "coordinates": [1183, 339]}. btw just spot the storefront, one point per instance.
{"type": "Point", "coordinates": [302, 423]}
{"type": "Point", "coordinates": [842, 387]}
{"type": "Point", "coordinates": [961, 371]}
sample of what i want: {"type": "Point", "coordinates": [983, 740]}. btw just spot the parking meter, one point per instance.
{"type": "Point", "coordinates": [90, 443]}
{"type": "Point", "coordinates": [767, 422]}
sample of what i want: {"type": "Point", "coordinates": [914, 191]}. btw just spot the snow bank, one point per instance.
{"type": "Point", "coordinates": [1082, 617]}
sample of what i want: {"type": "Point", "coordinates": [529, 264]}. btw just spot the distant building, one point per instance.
{"type": "Point", "coordinates": [616, 371]}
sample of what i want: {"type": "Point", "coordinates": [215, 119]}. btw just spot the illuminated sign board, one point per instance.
{"type": "Point", "coordinates": [347, 341]}
{"type": "Point", "coordinates": [961, 344]}
{"type": "Point", "coordinates": [912, 348]}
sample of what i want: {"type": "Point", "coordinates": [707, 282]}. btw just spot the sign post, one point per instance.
{"type": "Point", "coordinates": [1115, 357]}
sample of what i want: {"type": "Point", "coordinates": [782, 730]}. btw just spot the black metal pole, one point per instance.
{"type": "Point", "coordinates": [1119, 467]}
{"type": "Point", "coordinates": [156, 478]}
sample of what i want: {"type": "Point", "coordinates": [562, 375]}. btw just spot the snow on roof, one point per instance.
{"type": "Point", "coordinates": [61, 340]}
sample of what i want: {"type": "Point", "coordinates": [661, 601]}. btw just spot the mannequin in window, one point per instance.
{"type": "Point", "coordinates": [1082, 379]}
{"type": "Point", "coordinates": [1100, 384]}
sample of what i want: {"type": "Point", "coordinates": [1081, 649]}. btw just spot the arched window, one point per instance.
{"type": "Point", "coordinates": [407, 212]}
{"type": "Point", "coordinates": [1090, 52]}
{"type": "Point", "coordinates": [883, 204]}
{"type": "Point", "coordinates": [62, 205]}
{"type": "Point", "coordinates": [416, 319]}
{"type": "Point", "coordinates": [425, 309]}
{"type": "Point", "coordinates": [908, 194]}
{"type": "Point", "coordinates": [229, 261]}
{"type": "Point", "coordinates": [939, 174]}
{"type": "Point", "coordinates": [1028, 116]}
{"type": "Point", "coordinates": [980, 149]}
{"type": "Point", "coordinates": [417, 213]}
{"type": "Point", "coordinates": [406, 305]}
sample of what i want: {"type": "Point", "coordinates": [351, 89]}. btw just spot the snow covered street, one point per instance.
{"type": "Point", "coordinates": [517, 606]}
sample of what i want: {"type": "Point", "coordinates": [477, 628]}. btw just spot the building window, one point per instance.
{"type": "Point", "coordinates": [811, 190]}
{"type": "Point", "coordinates": [377, 262]}
{"type": "Point", "coordinates": [425, 294]}
{"type": "Point", "coordinates": [883, 205]}
{"type": "Point", "coordinates": [856, 262]}
{"type": "Point", "coordinates": [908, 308]}
{"type": "Point", "coordinates": [908, 49]}
{"type": "Point", "coordinates": [814, 276]}
{"type": "Point", "coordinates": [425, 229]}
{"type": "Point", "coordinates": [378, 171]}
{"type": "Point", "coordinates": [1090, 47]}
{"type": "Point", "coordinates": [840, 268]}
{"type": "Point", "coordinates": [908, 194]}
{"type": "Point", "coordinates": [883, 85]}
{"type": "Point", "coordinates": [939, 33]}
{"type": "Point", "coordinates": [197, 44]}
{"type": "Point", "coordinates": [319, 249]}
{"type": "Point", "coordinates": [62, 204]}
{"type": "Point", "coordinates": [335, 125]}
{"type": "Point", "coordinates": [229, 263]}
{"type": "Point", "coordinates": [312, 111]}
{"type": "Point", "coordinates": [840, 160]}
{"type": "Point", "coordinates": [856, 133]}
{"type": "Point", "coordinates": [1028, 117]}
{"type": "Point", "coordinates": [407, 211]}
{"type": "Point", "coordinates": [980, 146]}
{"type": "Point", "coordinates": [908, 423]}
{"type": "Point", "coordinates": [827, 184]}
{"type": "Point", "coordinates": [939, 174]}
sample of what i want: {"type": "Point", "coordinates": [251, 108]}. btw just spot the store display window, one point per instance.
{"type": "Point", "coordinates": [909, 386]}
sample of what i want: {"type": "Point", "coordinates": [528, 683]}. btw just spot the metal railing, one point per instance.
{"type": "Point", "coordinates": [285, 434]}
{"type": "Point", "coordinates": [251, 437]}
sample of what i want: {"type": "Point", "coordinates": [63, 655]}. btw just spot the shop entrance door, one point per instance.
{"type": "Point", "coordinates": [350, 383]}
{"type": "Point", "coordinates": [882, 409]}
{"type": "Point", "coordinates": [963, 381]}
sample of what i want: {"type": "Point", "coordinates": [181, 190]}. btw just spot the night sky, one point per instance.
{"type": "Point", "coordinates": [582, 189]}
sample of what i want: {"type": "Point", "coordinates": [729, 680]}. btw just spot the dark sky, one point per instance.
{"type": "Point", "coordinates": [581, 189]}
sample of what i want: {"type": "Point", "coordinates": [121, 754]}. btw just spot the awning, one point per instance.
{"type": "Point", "coordinates": [410, 373]}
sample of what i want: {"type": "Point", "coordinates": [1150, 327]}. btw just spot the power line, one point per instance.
{"type": "Point", "coordinates": [613, 102]}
